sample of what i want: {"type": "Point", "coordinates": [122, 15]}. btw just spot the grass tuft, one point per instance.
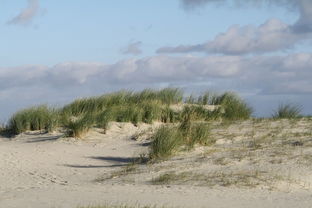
{"type": "Point", "coordinates": [287, 111]}
{"type": "Point", "coordinates": [166, 141]}
{"type": "Point", "coordinates": [78, 126]}
{"type": "Point", "coordinates": [125, 106]}
{"type": "Point", "coordinates": [103, 119]}
{"type": "Point", "coordinates": [34, 118]}
{"type": "Point", "coordinates": [233, 106]}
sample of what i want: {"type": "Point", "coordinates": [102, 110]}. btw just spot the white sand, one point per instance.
{"type": "Point", "coordinates": [41, 171]}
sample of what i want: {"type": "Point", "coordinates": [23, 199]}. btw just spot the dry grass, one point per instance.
{"type": "Point", "coordinates": [245, 178]}
{"type": "Point", "coordinates": [120, 206]}
{"type": "Point", "coordinates": [128, 169]}
{"type": "Point", "coordinates": [265, 153]}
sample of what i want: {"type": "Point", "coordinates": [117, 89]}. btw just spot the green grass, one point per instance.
{"type": "Point", "coordinates": [78, 126]}
{"type": "Point", "coordinates": [168, 115]}
{"type": "Point", "coordinates": [34, 118]}
{"type": "Point", "coordinates": [123, 98]}
{"type": "Point", "coordinates": [126, 106]}
{"type": "Point", "coordinates": [151, 111]}
{"type": "Point", "coordinates": [203, 99]}
{"type": "Point", "coordinates": [289, 111]}
{"type": "Point", "coordinates": [5, 131]}
{"type": "Point", "coordinates": [168, 140]}
{"type": "Point", "coordinates": [200, 135]}
{"type": "Point", "coordinates": [233, 107]}
{"type": "Point", "coordinates": [103, 119]}
{"type": "Point", "coordinates": [80, 115]}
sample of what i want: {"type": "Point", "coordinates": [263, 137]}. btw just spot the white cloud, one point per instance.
{"type": "Point", "coordinates": [133, 48]}
{"type": "Point", "coordinates": [27, 14]}
{"type": "Point", "coordinates": [272, 36]}
{"type": "Point", "coordinates": [273, 76]}
{"type": "Point", "coordinates": [261, 72]}
{"type": "Point", "coordinates": [268, 37]}
{"type": "Point", "coordinates": [193, 4]}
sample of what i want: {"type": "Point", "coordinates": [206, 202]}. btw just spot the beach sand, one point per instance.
{"type": "Point", "coordinates": [253, 164]}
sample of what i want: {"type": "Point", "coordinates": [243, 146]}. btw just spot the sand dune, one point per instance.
{"type": "Point", "coordinates": [253, 164]}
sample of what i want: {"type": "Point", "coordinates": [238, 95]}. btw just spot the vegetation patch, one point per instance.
{"type": "Point", "coordinates": [168, 140]}
{"type": "Point", "coordinates": [125, 106]}
{"type": "Point", "coordinates": [78, 126]}
{"type": "Point", "coordinates": [34, 118]}
{"type": "Point", "coordinates": [247, 179]}
{"type": "Point", "coordinates": [289, 111]}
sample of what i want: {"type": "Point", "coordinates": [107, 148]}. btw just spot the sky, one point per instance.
{"type": "Point", "coordinates": [55, 51]}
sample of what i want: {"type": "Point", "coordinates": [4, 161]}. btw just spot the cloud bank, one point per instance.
{"type": "Point", "coordinates": [272, 36]}
{"type": "Point", "coordinates": [276, 74]}
{"type": "Point", "coordinates": [258, 76]}
{"type": "Point", "coordinates": [193, 4]}
{"type": "Point", "coordinates": [133, 49]}
{"type": "Point", "coordinates": [27, 14]}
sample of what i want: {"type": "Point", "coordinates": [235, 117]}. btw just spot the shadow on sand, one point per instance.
{"type": "Point", "coordinates": [43, 139]}
{"type": "Point", "coordinates": [116, 162]}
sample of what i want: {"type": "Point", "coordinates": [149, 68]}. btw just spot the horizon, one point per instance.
{"type": "Point", "coordinates": [53, 53]}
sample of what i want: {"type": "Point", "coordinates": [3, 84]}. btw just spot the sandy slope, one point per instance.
{"type": "Point", "coordinates": [48, 171]}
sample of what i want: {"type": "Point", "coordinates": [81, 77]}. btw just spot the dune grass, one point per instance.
{"type": "Point", "coordinates": [78, 126]}
{"type": "Point", "coordinates": [125, 106]}
{"type": "Point", "coordinates": [168, 115]}
{"type": "Point", "coordinates": [103, 119]}
{"type": "Point", "coordinates": [167, 140]}
{"type": "Point", "coordinates": [80, 115]}
{"type": "Point", "coordinates": [233, 107]}
{"type": "Point", "coordinates": [289, 111]}
{"type": "Point", "coordinates": [123, 98]}
{"type": "Point", "coordinates": [34, 118]}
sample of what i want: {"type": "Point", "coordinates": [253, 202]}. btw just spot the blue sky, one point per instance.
{"type": "Point", "coordinates": [77, 30]}
{"type": "Point", "coordinates": [55, 51]}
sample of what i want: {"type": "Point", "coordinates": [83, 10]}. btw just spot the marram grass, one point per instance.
{"type": "Point", "coordinates": [233, 107]}
{"type": "Point", "coordinates": [126, 106]}
{"type": "Point", "coordinates": [34, 118]}
{"type": "Point", "coordinates": [78, 127]}
{"type": "Point", "coordinates": [168, 140]}
{"type": "Point", "coordinates": [289, 111]}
